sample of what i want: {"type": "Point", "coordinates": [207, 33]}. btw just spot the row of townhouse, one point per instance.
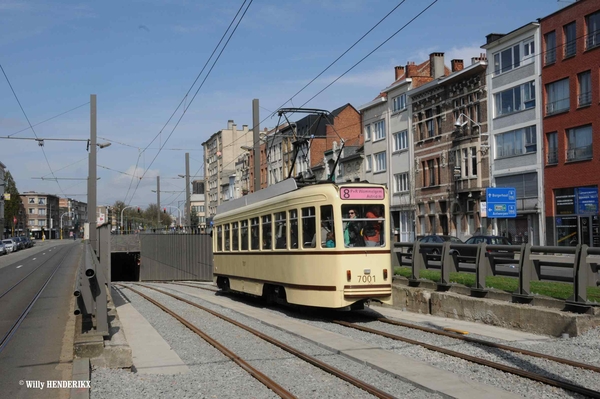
{"type": "Point", "coordinates": [523, 115]}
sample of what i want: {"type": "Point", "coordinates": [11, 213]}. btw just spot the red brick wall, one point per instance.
{"type": "Point", "coordinates": [346, 125]}
{"type": "Point", "coordinates": [582, 173]}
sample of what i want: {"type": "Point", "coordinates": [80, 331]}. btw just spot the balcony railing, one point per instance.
{"type": "Point", "coordinates": [584, 98]}
{"type": "Point", "coordinates": [570, 48]}
{"type": "Point", "coordinates": [579, 153]}
{"type": "Point", "coordinates": [557, 106]}
{"type": "Point", "coordinates": [552, 156]}
{"type": "Point", "coordinates": [592, 40]}
{"type": "Point", "coordinates": [550, 57]}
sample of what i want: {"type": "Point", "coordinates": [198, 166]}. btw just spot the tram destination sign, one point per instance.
{"type": "Point", "coordinates": [362, 193]}
{"type": "Point", "coordinates": [501, 202]}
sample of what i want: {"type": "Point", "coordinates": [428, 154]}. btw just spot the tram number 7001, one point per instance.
{"type": "Point", "coordinates": [366, 278]}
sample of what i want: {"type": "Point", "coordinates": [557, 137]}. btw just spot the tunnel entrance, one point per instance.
{"type": "Point", "coordinates": [125, 266]}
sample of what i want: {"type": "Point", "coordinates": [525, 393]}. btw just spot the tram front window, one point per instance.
{"type": "Point", "coordinates": [363, 225]}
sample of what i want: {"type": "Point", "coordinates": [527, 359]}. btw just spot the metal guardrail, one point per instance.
{"type": "Point", "coordinates": [90, 289]}
{"type": "Point", "coordinates": [530, 260]}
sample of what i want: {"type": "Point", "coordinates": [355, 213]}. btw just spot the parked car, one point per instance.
{"type": "Point", "coordinates": [20, 244]}
{"type": "Point", "coordinates": [10, 244]}
{"type": "Point", "coordinates": [3, 250]}
{"type": "Point", "coordinates": [438, 239]}
{"type": "Point", "coordinates": [489, 240]}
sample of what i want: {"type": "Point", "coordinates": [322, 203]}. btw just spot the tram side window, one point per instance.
{"type": "Point", "coordinates": [255, 238]}
{"type": "Point", "coordinates": [235, 236]}
{"type": "Point", "coordinates": [244, 231]}
{"type": "Point", "coordinates": [227, 237]}
{"type": "Point", "coordinates": [308, 226]}
{"type": "Point", "coordinates": [219, 238]}
{"type": "Point", "coordinates": [266, 232]}
{"type": "Point", "coordinates": [280, 230]}
{"type": "Point", "coordinates": [327, 227]}
{"type": "Point", "coordinates": [294, 229]}
{"type": "Point", "coordinates": [363, 225]}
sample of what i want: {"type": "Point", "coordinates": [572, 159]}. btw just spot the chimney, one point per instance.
{"type": "Point", "coordinates": [457, 65]}
{"type": "Point", "coordinates": [399, 71]}
{"type": "Point", "coordinates": [229, 124]}
{"type": "Point", "coordinates": [482, 57]}
{"type": "Point", "coordinates": [436, 65]}
{"type": "Point", "coordinates": [411, 70]}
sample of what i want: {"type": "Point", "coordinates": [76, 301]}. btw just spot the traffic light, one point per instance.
{"type": "Point", "coordinates": [164, 210]}
{"type": "Point", "coordinates": [138, 209]}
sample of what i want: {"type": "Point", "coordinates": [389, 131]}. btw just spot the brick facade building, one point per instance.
{"type": "Point", "coordinates": [571, 122]}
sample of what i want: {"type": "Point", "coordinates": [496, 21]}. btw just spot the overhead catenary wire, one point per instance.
{"type": "Point", "coordinates": [30, 126]}
{"type": "Point", "coordinates": [191, 87]}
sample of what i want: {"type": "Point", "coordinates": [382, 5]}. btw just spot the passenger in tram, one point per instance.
{"type": "Point", "coordinates": [330, 243]}
{"type": "Point", "coordinates": [371, 231]}
{"type": "Point", "coordinates": [324, 231]}
{"type": "Point", "coordinates": [352, 230]}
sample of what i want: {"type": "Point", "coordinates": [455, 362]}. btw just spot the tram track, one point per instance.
{"type": "Point", "coordinates": [495, 365]}
{"type": "Point", "coordinates": [15, 325]}
{"type": "Point", "coordinates": [254, 372]}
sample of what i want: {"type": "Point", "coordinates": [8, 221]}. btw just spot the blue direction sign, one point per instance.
{"type": "Point", "coordinates": [501, 202]}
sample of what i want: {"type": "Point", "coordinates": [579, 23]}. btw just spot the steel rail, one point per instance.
{"type": "Point", "coordinates": [269, 383]}
{"type": "Point", "coordinates": [508, 369]}
{"type": "Point", "coordinates": [307, 358]}
{"type": "Point", "coordinates": [29, 274]}
{"type": "Point", "coordinates": [194, 286]}
{"type": "Point", "coordinates": [7, 337]}
{"type": "Point", "coordinates": [494, 345]}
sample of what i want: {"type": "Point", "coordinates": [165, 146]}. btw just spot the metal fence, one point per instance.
{"type": "Point", "coordinates": [527, 260]}
{"type": "Point", "coordinates": [176, 256]}
{"type": "Point", "coordinates": [90, 290]}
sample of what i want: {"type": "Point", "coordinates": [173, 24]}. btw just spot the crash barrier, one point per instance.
{"type": "Point", "coordinates": [483, 260]}
{"type": "Point", "coordinates": [90, 289]}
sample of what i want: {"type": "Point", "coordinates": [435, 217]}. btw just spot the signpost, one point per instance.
{"type": "Point", "coordinates": [501, 202]}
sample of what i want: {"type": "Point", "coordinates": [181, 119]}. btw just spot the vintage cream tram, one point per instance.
{"type": "Point", "coordinates": [324, 245]}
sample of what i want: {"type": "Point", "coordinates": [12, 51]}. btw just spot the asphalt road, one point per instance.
{"type": "Point", "coordinates": [42, 347]}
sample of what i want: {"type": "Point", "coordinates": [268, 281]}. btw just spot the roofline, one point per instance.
{"type": "Point", "coordinates": [511, 35]}
{"type": "Point", "coordinates": [370, 104]}
{"type": "Point", "coordinates": [396, 84]}
{"type": "Point", "coordinates": [557, 11]}
{"type": "Point", "coordinates": [443, 79]}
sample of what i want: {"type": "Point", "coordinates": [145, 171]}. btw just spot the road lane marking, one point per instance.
{"type": "Point", "coordinates": [34, 259]}
{"type": "Point", "coordinates": [19, 266]}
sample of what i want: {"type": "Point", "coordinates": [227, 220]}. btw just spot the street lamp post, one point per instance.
{"type": "Point", "coordinates": [61, 223]}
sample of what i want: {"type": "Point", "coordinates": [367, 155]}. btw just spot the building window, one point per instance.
{"type": "Point", "coordinates": [399, 102]}
{"type": "Point", "coordinates": [32, 211]}
{"type": "Point", "coordinates": [579, 143]}
{"type": "Point", "coordinates": [550, 39]}
{"type": "Point", "coordinates": [400, 140]}
{"type": "Point", "coordinates": [32, 200]}
{"type": "Point", "coordinates": [593, 30]}
{"type": "Point", "coordinates": [369, 163]}
{"type": "Point", "coordinates": [516, 142]}
{"type": "Point", "coordinates": [41, 211]}
{"type": "Point", "coordinates": [557, 96]}
{"type": "Point", "coordinates": [41, 222]}
{"type": "Point", "coordinates": [401, 183]}
{"type": "Point", "coordinates": [474, 161]}
{"type": "Point", "coordinates": [378, 130]}
{"type": "Point", "coordinates": [570, 35]}
{"type": "Point", "coordinates": [585, 88]}
{"type": "Point", "coordinates": [367, 132]}
{"type": "Point", "coordinates": [429, 123]}
{"type": "Point", "coordinates": [380, 162]}
{"type": "Point", "coordinates": [515, 99]}
{"type": "Point", "coordinates": [431, 172]}
{"type": "Point", "coordinates": [552, 156]}
{"type": "Point", "coordinates": [514, 56]}
{"type": "Point", "coordinates": [41, 201]}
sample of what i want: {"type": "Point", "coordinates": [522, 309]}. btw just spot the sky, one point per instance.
{"type": "Point", "coordinates": [141, 57]}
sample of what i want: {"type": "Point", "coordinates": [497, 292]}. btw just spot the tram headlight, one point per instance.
{"type": "Point", "coordinates": [349, 275]}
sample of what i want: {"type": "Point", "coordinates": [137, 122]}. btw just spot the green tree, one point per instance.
{"type": "Point", "coordinates": [194, 219]}
{"type": "Point", "coordinates": [13, 207]}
